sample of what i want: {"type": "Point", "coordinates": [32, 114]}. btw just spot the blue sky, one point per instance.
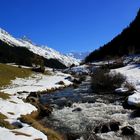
{"type": "Point", "coordinates": [67, 25]}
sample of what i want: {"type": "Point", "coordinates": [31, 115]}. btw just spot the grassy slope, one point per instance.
{"type": "Point", "coordinates": [4, 123]}
{"type": "Point", "coordinates": [8, 73]}
{"type": "Point", "coordinates": [4, 96]}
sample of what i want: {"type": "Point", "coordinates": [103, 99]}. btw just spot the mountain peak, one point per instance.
{"type": "Point", "coordinates": [25, 38]}
{"type": "Point", "coordinates": [45, 52]}
{"type": "Point", "coordinates": [2, 31]}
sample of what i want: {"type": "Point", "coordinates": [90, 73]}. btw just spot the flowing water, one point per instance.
{"type": "Point", "coordinates": [77, 112]}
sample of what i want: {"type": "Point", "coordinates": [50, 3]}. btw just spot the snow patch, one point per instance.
{"type": "Point", "coordinates": [134, 99]}
{"type": "Point", "coordinates": [37, 82]}
{"type": "Point", "coordinates": [6, 134]}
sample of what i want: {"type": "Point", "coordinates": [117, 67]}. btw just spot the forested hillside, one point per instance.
{"type": "Point", "coordinates": [125, 43]}
{"type": "Point", "coordinates": [22, 56]}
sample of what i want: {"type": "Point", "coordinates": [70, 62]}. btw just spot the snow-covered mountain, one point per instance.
{"type": "Point", "coordinates": [44, 51]}
{"type": "Point", "coordinates": [78, 55]}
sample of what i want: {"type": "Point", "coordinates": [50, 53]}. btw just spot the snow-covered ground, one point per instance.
{"type": "Point", "coordinates": [27, 133]}
{"type": "Point", "coordinates": [14, 107]}
{"type": "Point", "coordinates": [20, 88]}
{"type": "Point", "coordinates": [132, 72]}
{"type": "Point", "coordinates": [37, 82]}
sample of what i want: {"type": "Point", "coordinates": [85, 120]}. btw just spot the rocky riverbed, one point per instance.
{"type": "Point", "coordinates": [80, 114]}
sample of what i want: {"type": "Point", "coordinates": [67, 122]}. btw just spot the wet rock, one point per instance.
{"type": "Point", "coordinates": [32, 100]}
{"type": "Point", "coordinates": [60, 83]}
{"type": "Point", "coordinates": [91, 101]}
{"type": "Point", "coordinates": [72, 136]}
{"type": "Point", "coordinates": [128, 130]}
{"type": "Point", "coordinates": [33, 95]}
{"type": "Point", "coordinates": [75, 85]}
{"type": "Point", "coordinates": [69, 104]}
{"type": "Point", "coordinates": [54, 106]}
{"type": "Point", "coordinates": [135, 114]}
{"type": "Point", "coordinates": [55, 98]}
{"type": "Point", "coordinates": [121, 90]}
{"type": "Point", "coordinates": [78, 109]}
{"type": "Point", "coordinates": [69, 78]}
{"type": "Point", "coordinates": [102, 128]}
{"type": "Point", "coordinates": [44, 110]}
{"type": "Point", "coordinates": [107, 127]}
{"type": "Point", "coordinates": [20, 92]}
{"type": "Point", "coordinates": [76, 81]}
{"type": "Point", "coordinates": [97, 129]}
{"type": "Point", "coordinates": [87, 99]}
{"type": "Point", "coordinates": [17, 124]}
{"type": "Point", "coordinates": [61, 102]}
{"type": "Point", "coordinates": [114, 126]}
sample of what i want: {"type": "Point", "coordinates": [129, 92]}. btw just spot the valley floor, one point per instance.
{"type": "Point", "coordinates": [13, 106]}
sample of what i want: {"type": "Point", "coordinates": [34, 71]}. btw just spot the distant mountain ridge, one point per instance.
{"type": "Point", "coordinates": [43, 51]}
{"type": "Point", "coordinates": [78, 55]}
{"type": "Point", "coordinates": [126, 43]}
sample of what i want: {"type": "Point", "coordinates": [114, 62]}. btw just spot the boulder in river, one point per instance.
{"type": "Point", "coordinates": [72, 136]}
{"type": "Point", "coordinates": [60, 83]}
{"type": "Point", "coordinates": [69, 104]}
{"type": "Point", "coordinates": [128, 130]}
{"type": "Point", "coordinates": [78, 109]}
{"type": "Point", "coordinates": [69, 78]}
{"type": "Point", "coordinates": [107, 127]}
{"type": "Point", "coordinates": [114, 126]}
{"type": "Point", "coordinates": [76, 81]}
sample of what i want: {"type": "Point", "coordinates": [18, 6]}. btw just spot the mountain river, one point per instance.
{"type": "Point", "coordinates": [78, 111]}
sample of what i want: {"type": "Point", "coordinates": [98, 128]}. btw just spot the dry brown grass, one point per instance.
{"type": "Point", "coordinates": [103, 81]}
{"type": "Point", "coordinates": [4, 96]}
{"type": "Point", "coordinates": [4, 123]}
{"type": "Point", "coordinates": [2, 116]}
{"type": "Point", "coordinates": [13, 102]}
{"type": "Point", "coordinates": [8, 73]}
{"type": "Point", "coordinates": [11, 113]}
{"type": "Point", "coordinates": [20, 133]}
{"type": "Point", "coordinates": [32, 120]}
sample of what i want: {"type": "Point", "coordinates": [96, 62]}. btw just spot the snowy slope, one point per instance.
{"type": "Point", "coordinates": [44, 51]}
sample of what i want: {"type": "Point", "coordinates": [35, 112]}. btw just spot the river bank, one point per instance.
{"type": "Point", "coordinates": [14, 106]}
{"type": "Point", "coordinates": [78, 112]}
